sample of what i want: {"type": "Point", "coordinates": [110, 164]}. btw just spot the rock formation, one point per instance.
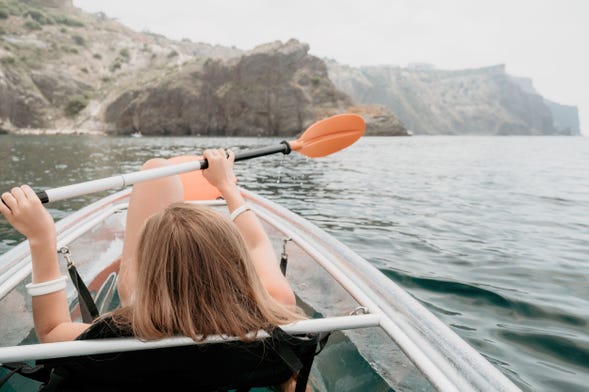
{"type": "Point", "coordinates": [59, 65]}
{"type": "Point", "coordinates": [66, 69]}
{"type": "Point", "coordinates": [277, 89]}
{"type": "Point", "coordinates": [475, 101]}
{"type": "Point", "coordinates": [566, 118]}
{"type": "Point", "coordinates": [62, 68]}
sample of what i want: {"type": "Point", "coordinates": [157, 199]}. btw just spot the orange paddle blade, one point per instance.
{"type": "Point", "coordinates": [329, 135]}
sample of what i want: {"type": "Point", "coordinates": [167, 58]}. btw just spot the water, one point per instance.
{"type": "Point", "coordinates": [490, 233]}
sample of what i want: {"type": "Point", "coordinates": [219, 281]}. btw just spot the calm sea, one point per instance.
{"type": "Point", "coordinates": [490, 233]}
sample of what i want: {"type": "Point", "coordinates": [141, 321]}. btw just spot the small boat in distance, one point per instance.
{"type": "Point", "coordinates": [136, 134]}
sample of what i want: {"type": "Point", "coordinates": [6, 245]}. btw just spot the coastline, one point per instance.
{"type": "Point", "coordinates": [55, 131]}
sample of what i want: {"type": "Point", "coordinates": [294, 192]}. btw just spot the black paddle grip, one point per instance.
{"type": "Point", "coordinates": [283, 147]}
{"type": "Point", "coordinates": [42, 195]}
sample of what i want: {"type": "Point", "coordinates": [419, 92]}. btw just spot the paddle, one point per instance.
{"type": "Point", "coordinates": [321, 139]}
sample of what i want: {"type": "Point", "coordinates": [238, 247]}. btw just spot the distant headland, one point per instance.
{"type": "Point", "coordinates": [63, 70]}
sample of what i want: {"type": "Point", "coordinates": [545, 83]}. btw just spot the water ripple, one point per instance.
{"type": "Point", "coordinates": [484, 297]}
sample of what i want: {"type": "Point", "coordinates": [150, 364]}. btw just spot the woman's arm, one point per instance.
{"type": "Point", "coordinates": [23, 210]}
{"type": "Point", "coordinates": [147, 198]}
{"type": "Point", "coordinates": [220, 174]}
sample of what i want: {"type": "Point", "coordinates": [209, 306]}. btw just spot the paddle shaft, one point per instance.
{"type": "Point", "coordinates": [123, 180]}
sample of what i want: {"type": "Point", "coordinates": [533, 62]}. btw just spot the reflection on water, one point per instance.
{"type": "Point", "coordinates": [491, 234]}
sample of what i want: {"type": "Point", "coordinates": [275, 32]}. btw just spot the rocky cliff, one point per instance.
{"type": "Point", "coordinates": [58, 64]}
{"type": "Point", "coordinates": [275, 89]}
{"type": "Point", "coordinates": [66, 69]}
{"type": "Point", "coordinates": [475, 101]}
{"type": "Point", "coordinates": [565, 117]}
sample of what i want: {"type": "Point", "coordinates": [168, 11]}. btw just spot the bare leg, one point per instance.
{"type": "Point", "coordinates": [147, 198]}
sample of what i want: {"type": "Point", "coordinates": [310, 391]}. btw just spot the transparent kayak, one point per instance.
{"type": "Point", "coordinates": [383, 339]}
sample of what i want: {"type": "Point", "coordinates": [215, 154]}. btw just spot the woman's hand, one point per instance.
{"type": "Point", "coordinates": [220, 171]}
{"type": "Point", "coordinates": [220, 174]}
{"type": "Point", "coordinates": [23, 210]}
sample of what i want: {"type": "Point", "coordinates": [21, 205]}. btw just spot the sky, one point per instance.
{"type": "Point", "coordinates": [545, 40]}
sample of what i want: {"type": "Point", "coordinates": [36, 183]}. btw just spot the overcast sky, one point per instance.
{"type": "Point", "coordinates": [546, 40]}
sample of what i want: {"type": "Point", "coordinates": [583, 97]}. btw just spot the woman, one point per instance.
{"type": "Point", "coordinates": [185, 270]}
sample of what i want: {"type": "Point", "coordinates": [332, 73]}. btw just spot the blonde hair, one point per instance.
{"type": "Point", "coordinates": [195, 278]}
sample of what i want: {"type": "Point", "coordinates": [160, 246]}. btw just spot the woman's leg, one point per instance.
{"type": "Point", "coordinates": [147, 198]}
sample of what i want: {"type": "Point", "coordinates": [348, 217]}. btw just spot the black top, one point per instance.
{"type": "Point", "coordinates": [199, 367]}
{"type": "Point", "coordinates": [103, 328]}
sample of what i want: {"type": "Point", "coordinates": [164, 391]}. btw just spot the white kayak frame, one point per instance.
{"type": "Point", "coordinates": [445, 359]}
{"type": "Point", "coordinates": [106, 346]}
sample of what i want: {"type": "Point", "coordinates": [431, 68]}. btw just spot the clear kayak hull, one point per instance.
{"type": "Point", "coordinates": [384, 339]}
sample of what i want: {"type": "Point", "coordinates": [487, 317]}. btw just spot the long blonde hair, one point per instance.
{"type": "Point", "coordinates": [195, 278]}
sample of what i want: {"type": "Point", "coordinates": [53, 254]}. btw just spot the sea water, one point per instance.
{"type": "Point", "coordinates": [490, 233]}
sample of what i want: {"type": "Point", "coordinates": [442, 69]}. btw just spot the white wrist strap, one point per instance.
{"type": "Point", "coordinates": [51, 286]}
{"type": "Point", "coordinates": [239, 210]}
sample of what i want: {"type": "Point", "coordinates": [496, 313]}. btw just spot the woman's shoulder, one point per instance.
{"type": "Point", "coordinates": [106, 327]}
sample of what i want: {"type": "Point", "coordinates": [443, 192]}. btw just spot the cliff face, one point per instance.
{"type": "Point", "coordinates": [566, 118]}
{"type": "Point", "coordinates": [66, 69]}
{"type": "Point", "coordinates": [429, 101]}
{"type": "Point", "coordinates": [20, 105]}
{"type": "Point", "coordinates": [275, 89]}
{"type": "Point", "coordinates": [59, 65]}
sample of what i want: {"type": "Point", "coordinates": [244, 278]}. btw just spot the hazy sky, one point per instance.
{"type": "Point", "coordinates": [546, 40]}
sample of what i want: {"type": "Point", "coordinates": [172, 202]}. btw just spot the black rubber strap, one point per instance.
{"type": "Point", "coordinates": [284, 351]}
{"type": "Point", "coordinates": [85, 300]}
{"type": "Point", "coordinates": [56, 380]}
{"type": "Point", "coordinates": [283, 264]}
